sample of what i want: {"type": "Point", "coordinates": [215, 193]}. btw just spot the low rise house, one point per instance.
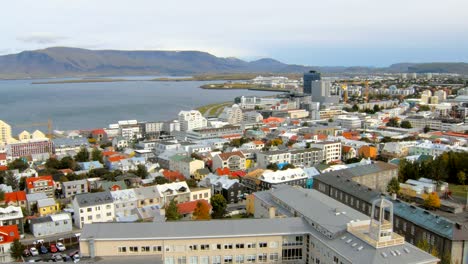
{"type": "Point", "coordinates": [40, 184]}
{"type": "Point", "coordinates": [71, 188]}
{"type": "Point", "coordinates": [31, 200]}
{"type": "Point", "coordinates": [294, 177]}
{"type": "Point", "coordinates": [232, 160]}
{"type": "Point", "coordinates": [187, 209]}
{"type": "Point", "coordinates": [12, 215]}
{"type": "Point", "coordinates": [8, 234]}
{"type": "Point", "coordinates": [51, 225]}
{"type": "Point", "coordinates": [90, 165]}
{"type": "Point", "coordinates": [231, 189]}
{"type": "Point", "coordinates": [47, 206]}
{"type": "Point", "coordinates": [200, 193]}
{"type": "Point", "coordinates": [368, 152]}
{"type": "Point", "coordinates": [177, 191]}
{"type": "Point", "coordinates": [147, 196]}
{"type": "Point", "coordinates": [200, 174]}
{"type": "Point", "coordinates": [185, 164]}
{"type": "Point", "coordinates": [348, 152]}
{"type": "Point", "coordinates": [17, 198]}
{"type": "Point", "coordinates": [124, 202]}
{"type": "Point", "coordinates": [93, 207]}
{"type": "Point", "coordinates": [331, 150]}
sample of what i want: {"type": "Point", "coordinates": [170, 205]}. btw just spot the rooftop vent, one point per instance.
{"type": "Point", "coordinates": [384, 254]}
{"type": "Point", "coordinates": [354, 244]}
{"type": "Point", "coordinates": [406, 250]}
{"type": "Point", "coordinates": [348, 241]}
{"type": "Point", "coordinates": [360, 248]}
{"type": "Point", "coordinates": [343, 237]}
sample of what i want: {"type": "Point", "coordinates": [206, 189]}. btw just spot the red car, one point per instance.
{"type": "Point", "coordinates": [53, 248]}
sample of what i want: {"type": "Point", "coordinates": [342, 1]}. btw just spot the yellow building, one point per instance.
{"type": "Point", "coordinates": [25, 135]}
{"type": "Point", "coordinates": [47, 206]}
{"type": "Point", "coordinates": [5, 133]}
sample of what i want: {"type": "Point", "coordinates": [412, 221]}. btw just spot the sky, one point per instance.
{"type": "Point", "coordinates": [306, 32]}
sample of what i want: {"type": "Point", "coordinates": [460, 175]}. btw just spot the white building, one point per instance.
{"type": "Point", "coordinates": [190, 120]}
{"type": "Point", "coordinates": [349, 122]}
{"type": "Point", "coordinates": [331, 150]}
{"type": "Point", "coordinates": [233, 115]}
{"type": "Point", "coordinates": [93, 207]}
{"type": "Point", "coordinates": [124, 202]}
{"type": "Point", "coordinates": [252, 117]}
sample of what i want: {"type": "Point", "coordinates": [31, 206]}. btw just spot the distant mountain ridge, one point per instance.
{"type": "Point", "coordinates": [76, 62]}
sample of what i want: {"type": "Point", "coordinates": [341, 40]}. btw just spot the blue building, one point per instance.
{"type": "Point", "coordinates": [309, 77]}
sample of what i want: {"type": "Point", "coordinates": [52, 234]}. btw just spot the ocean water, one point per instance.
{"type": "Point", "coordinates": [95, 105]}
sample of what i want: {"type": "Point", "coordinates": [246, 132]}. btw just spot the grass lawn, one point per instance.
{"type": "Point", "coordinates": [458, 190]}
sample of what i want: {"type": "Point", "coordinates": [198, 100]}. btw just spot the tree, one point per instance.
{"type": "Point", "coordinates": [82, 155]}
{"type": "Point", "coordinates": [423, 245]}
{"type": "Point", "coordinates": [96, 155]}
{"type": "Point", "coordinates": [461, 176]}
{"type": "Point", "coordinates": [18, 164]}
{"type": "Point", "coordinates": [393, 122]}
{"type": "Point", "coordinates": [276, 142]}
{"type": "Point", "coordinates": [141, 171]}
{"type": "Point", "coordinates": [272, 166]}
{"type": "Point", "coordinates": [330, 120]}
{"type": "Point", "coordinates": [355, 108]}
{"type": "Point", "coordinates": [53, 163]}
{"type": "Point", "coordinates": [376, 108]}
{"type": "Point", "coordinates": [160, 180]}
{"type": "Point", "coordinates": [191, 183]}
{"type": "Point", "coordinates": [202, 211]}
{"type": "Point", "coordinates": [288, 166]}
{"type": "Point", "coordinates": [406, 124]}
{"type": "Point", "coordinates": [219, 205]}
{"type": "Point", "coordinates": [427, 129]}
{"type": "Point", "coordinates": [2, 195]}
{"type": "Point", "coordinates": [172, 213]}
{"type": "Point", "coordinates": [12, 181]}
{"type": "Point", "coordinates": [434, 252]}
{"type": "Point", "coordinates": [16, 250]}
{"type": "Point", "coordinates": [307, 146]}
{"type": "Point", "coordinates": [305, 124]}
{"type": "Point", "coordinates": [432, 201]}
{"type": "Point", "coordinates": [393, 186]}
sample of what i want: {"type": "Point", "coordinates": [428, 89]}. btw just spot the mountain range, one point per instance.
{"type": "Point", "coordinates": [75, 62]}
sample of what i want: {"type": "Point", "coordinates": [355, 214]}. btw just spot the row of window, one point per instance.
{"type": "Point", "coordinates": [259, 258]}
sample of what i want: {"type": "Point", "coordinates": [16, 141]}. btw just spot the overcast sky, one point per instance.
{"type": "Point", "coordinates": [309, 32]}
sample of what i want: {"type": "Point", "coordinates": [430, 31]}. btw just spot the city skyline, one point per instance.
{"type": "Point", "coordinates": [299, 32]}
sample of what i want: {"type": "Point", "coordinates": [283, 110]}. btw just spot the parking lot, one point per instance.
{"type": "Point", "coordinates": [48, 256]}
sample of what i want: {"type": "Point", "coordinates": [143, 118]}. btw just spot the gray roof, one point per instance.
{"type": "Point", "coordinates": [40, 220]}
{"type": "Point", "coordinates": [146, 192]}
{"type": "Point", "coordinates": [198, 229]}
{"type": "Point", "coordinates": [33, 197]}
{"type": "Point", "coordinates": [45, 202]}
{"type": "Point", "coordinates": [318, 207]}
{"type": "Point", "coordinates": [91, 199]}
{"type": "Point", "coordinates": [74, 182]}
{"type": "Point", "coordinates": [343, 183]}
{"type": "Point", "coordinates": [375, 167]}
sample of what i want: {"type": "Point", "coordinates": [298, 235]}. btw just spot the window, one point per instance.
{"type": "Point", "coordinates": [169, 260]}
{"type": "Point", "coordinates": [250, 245]}
{"type": "Point", "coordinates": [90, 217]}
{"type": "Point", "coordinates": [133, 249]}
{"type": "Point", "coordinates": [98, 216]}
{"type": "Point", "coordinates": [204, 247]}
{"type": "Point", "coordinates": [227, 246]}
{"type": "Point", "coordinates": [182, 260]}
{"type": "Point", "coordinates": [216, 260]}
{"type": "Point", "coordinates": [145, 249]}
{"type": "Point", "coordinates": [122, 249]}
{"type": "Point", "coordinates": [274, 257]}
{"type": "Point", "coordinates": [108, 206]}
{"type": "Point", "coordinates": [251, 258]}
{"type": "Point", "coordinates": [193, 247]}
{"type": "Point", "coordinates": [109, 214]}
{"type": "Point", "coordinates": [218, 246]}
{"type": "Point", "coordinates": [240, 259]}
{"type": "Point", "coordinates": [193, 260]}
{"type": "Point", "coordinates": [204, 259]}
{"type": "Point", "coordinates": [157, 248]}
{"type": "Point", "coordinates": [262, 257]}
{"type": "Point", "coordinates": [239, 245]}
{"type": "Point", "coordinates": [262, 244]}
{"type": "Point", "coordinates": [89, 209]}
{"type": "Point", "coordinates": [227, 259]}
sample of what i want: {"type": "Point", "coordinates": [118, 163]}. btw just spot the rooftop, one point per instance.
{"type": "Point", "coordinates": [91, 199]}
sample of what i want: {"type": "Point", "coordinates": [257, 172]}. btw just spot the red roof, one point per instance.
{"type": "Point", "coordinates": [15, 196]}
{"type": "Point", "coordinates": [3, 168]}
{"type": "Point", "coordinates": [109, 153]}
{"type": "Point", "coordinates": [346, 149]}
{"type": "Point", "coordinates": [2, 156]}
{"type": "Point", "coordinates": [189, 207]}
{"type": "Point", "coordinates": [173, 176]}
{"type": "Point", "coordinates": [233, 136]}
{"type": "Point", "coordinates": [273, 120]}
{"type": "Point", "coordinates": [98, 132]}
{"type": "Point", "coordinates": [258, 142]}
{"type": "Point", "coordinates": [30, 181]}
{"type": "Point", "coordinates": [9, 233]}
{"type": "Point", "coordinates": [223, 171]}
{"type": "Point", "coordinates": [66, 171]}
{"type": "Point", "coordinates": [116, 158]}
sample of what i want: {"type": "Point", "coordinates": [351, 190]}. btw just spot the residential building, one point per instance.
{"type": "Point", "coordinates": [63, 146]}
{"type": "Point", "coordinates": [252, 117]}
{"type": "Point", "coordinates": [348, 152]}
{"type": "Point", "coordinates": [320, 234]}
{"type": "Point", "coordinates": [119, 142]}
{"type": "Point", "coordinates": [232, 160]}
{"type": "Point", "coordinates": [40, 184]}
{"type": "Point", "coordinates": [306, 157]}
{"type": "Point", "coordinates": [8, 234]}
{"type": "Point", "coordinates": [93, 207]}
{"type": "Point", "coordinates": [51, 225]}
{"type": "Point", "coordinates": [200, 193]}
{"type": "Point", "coordinates": [99, 135]}
{"type": "Point", "coordinates": [71, 188]}
{"type": "Point", "coordinates": [396, 149]}
{"type": "Point", "coordinates": [17, 198]}
{"type": "Point", "coordinates": [129, 129]}
{"type": "Point", "coordinates": [47, 206]}
{"type": "Point", "coordinates": [5, 133]}
{"type": "Point", "coordinates": [367, 152]}
{"type": "Point", "coordinates": [295, 177]}
{"type": "Point", "coordinates": [200, 174]}
{"type": "Point", "coordinates": [273, 157]}
{"type": "Point", "coordinates": [190, 120]}
{"type": "Point", "coordinates": [187, 209]}
{"type": "Point", "coordinates": [231, 189]}
{"type": "Point", "coordinates": [12, 215]}
{"type": "Point", "coordinates": [124, 202]}
{"type": "Point", "coordinates": [349, 122]}
{"type": "Point", "coordinates": [444, 231]}
{"type": "Point", "coordinates": [31, 200]}
{"type": "Point", "coordinates": [175, 191]}
{"type": "Point", "coordinates": [148, 196]}
{"type": "Point", "coordinates": [229, 131]}
{"type": "Point", "coordinates": [376, 175]}
{"type": "Point", "coordinates": [233, 115]}
{"type": "Point", "coordinates": [90, 165]}
{"type": "Point", "coordinates": [185, 164]}
{"type": "Point", "coordinates": [331, 150]}
{"type": "Point", "coordinates": [28, 148]}
{"type": "Point", "coordinates": [428, 148]}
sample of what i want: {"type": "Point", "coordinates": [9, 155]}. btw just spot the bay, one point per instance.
{"type": "Point", "coordinates": [95, 105]}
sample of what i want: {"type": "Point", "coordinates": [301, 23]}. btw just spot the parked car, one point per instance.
{"type": "Point", "coordinates": [34, 251]}
{"type": "Point", "coordinates": [53, 248]}
{"type": "Point", "coordinates": [43, 250]}
{"type": "Point", "coordinates": [66, 258]}
{"type": "Point", "coordinates": [26, 253]}
{"type": "Point", "coordinates": [57, 257]}
{"type": "Point", "coordinates": [61, 247]}
{"type": "Point", "coordinates": [76, 258]}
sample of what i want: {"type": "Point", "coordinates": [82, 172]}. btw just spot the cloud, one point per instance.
{"type": "Point", "coordinates": [41, 38]}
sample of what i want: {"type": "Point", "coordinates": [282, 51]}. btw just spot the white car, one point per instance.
{"type": "Point", "coordinates": [60, 246]}
{"type": "Point", "coordinates": [34, 251]}
{"type": "Point", "coordinates": [76, 258]}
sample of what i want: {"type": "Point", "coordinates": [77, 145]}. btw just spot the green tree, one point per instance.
{"type": "Point", "coordinates": [427, 129]}
{"type": "Point", "coordinates": [272, 166]}
{"type": "Point", "coordinates": [393, 122]}
{"type": "Point", "coordinates": [160, 180]}
{"type": "Point", "coordinates": [376, 108]}
{"type": "Point", "coordinates": [16, 250]}
{"type": "Point", "coordinates": [53, 163]}
{"type": "Point", "coordinates": [432, 201]}
{"type": "Point", "coordinates": [96, 155]}
{"type": "Point", "coordinates": [12, 181]}
{"type": "Point", "coordinates": [219, 205]}
{"type": "Point", "coordinates": [68, 163]}
{"type": "Point", "coordinates": [446, 258]}
{"type": "Point", "coordinates": [330, 120]}
{"type": "Point", "coordinates": [424, 108]}
{"type": "Point", "coordinates": [393, 186]}
{"type": "Point", "coordinates": [423, 245]}
{"type": "Point", "coordinates": [355, 108]}
{"type": "Point", "coordinates": [82, 155]}
{"type": "Point", "coordinates": [288, 166]}
{"type": "Point", "coordinates": [172, 213]}
{"type": "Point", "coordinates": [406, 124]}
{"type": "Point", "coordinates": [2, 195]}
{"type": "Point", "coordinates": [18, 164]}
{"type": "Point", "coordinates": [141, 171]}
{"type": "Point", "coordinates": [461, 176]}
{"type": "Point", "coordinates": [191, 183]}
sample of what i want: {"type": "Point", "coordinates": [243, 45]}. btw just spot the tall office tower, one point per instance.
{"type": "Point", "coordinates": [309, 77]}
{"type": "Point", "coordinates": [5, 133]}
